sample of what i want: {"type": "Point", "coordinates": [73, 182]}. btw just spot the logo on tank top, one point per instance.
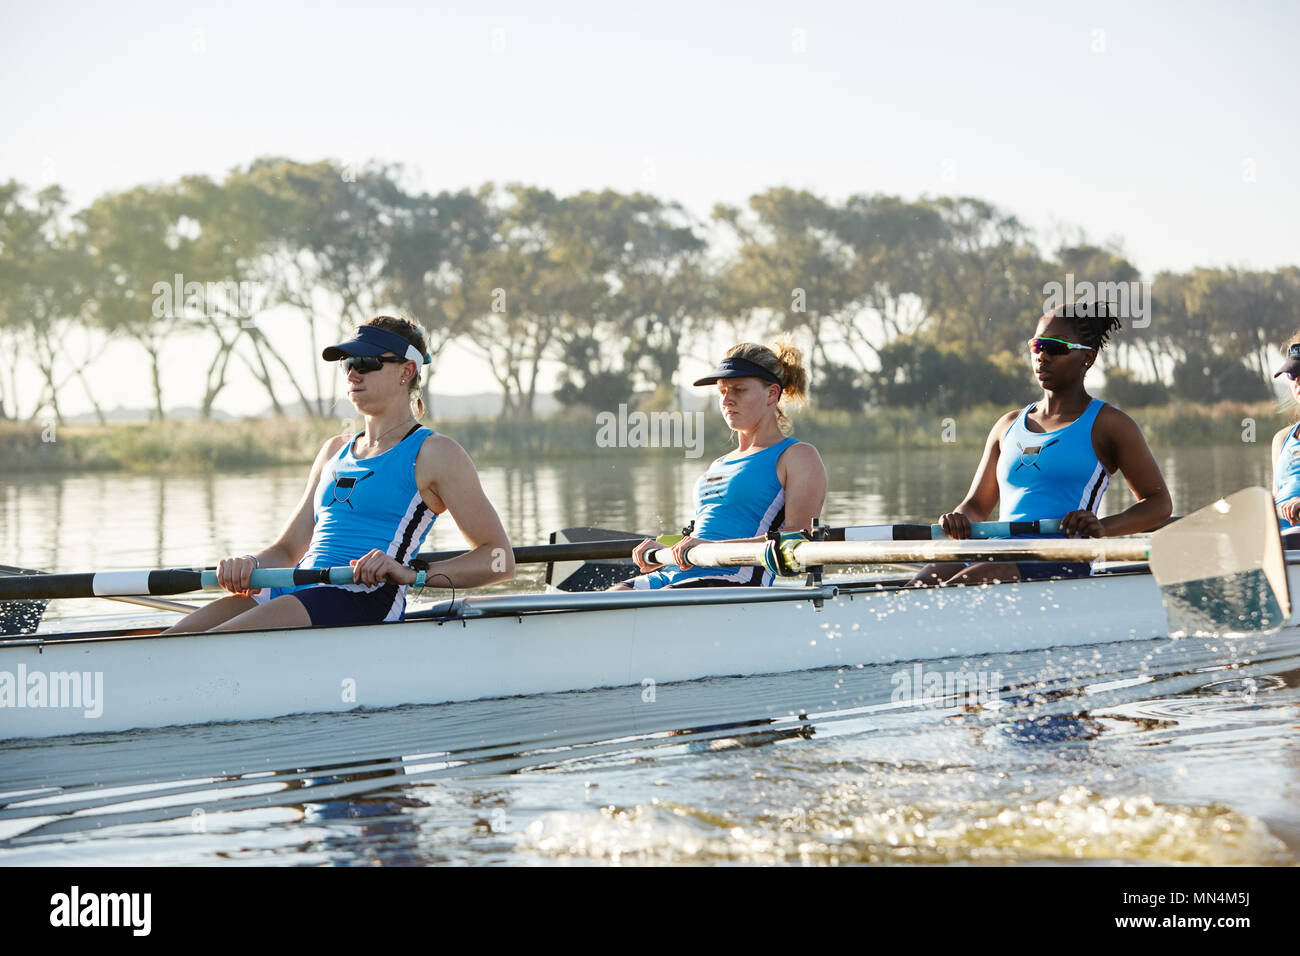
{"type": "Point", "coordinates": [343, 489]}
{"type": "Point", "coordinates": [1029, 456]}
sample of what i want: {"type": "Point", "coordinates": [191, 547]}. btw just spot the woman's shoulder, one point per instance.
{"type": "Point", "coordinates": [1109, 414]}
{"type": "Point", "coordinates": [801, 452]}
{"type": "Point", "coordinates": [1004, 423]}
{"type": "Point", "coordinates": [333, 445]}
{"type": "Point", "coordinates": [439, 447]}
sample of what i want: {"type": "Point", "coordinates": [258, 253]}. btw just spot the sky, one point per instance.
{"type": "Point", "coordinates": [1167, 127]}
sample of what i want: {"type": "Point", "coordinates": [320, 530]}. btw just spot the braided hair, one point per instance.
{"type": "Point", "coordinates": [1094, 321]}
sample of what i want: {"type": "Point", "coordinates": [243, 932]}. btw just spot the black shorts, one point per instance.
{"type": "Point", "coordinates": [329, 605]}
{"type": "Point", "coordinates": [1045, 570]}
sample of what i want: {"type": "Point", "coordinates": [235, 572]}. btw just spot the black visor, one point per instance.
{"type": "Point", "coordinates": [1292, 363]}
{"type": "Point", "coordinates": [738, 368]}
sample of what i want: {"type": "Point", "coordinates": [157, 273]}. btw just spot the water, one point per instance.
{"type": "Point", "coordinates": [1149, 752]}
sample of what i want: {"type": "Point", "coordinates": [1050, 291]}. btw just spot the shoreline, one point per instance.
{"type": "Point", "coordinates": [192, 446]}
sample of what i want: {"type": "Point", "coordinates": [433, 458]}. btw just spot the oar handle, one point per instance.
{"type": "Point", "coordinates": [287, 577]}
{"type": "Point", "coordinates": [167, 581]}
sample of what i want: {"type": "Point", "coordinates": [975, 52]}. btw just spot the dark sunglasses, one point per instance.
{"type": "Point", "coordinates": [1054, 346]}
{"type": "Point", "coordinates": [367, 363]}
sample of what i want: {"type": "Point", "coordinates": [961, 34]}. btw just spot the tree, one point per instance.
{"type": "Point", "coordinates": [646, 268]}
{"type": "Point", "coordinates": [916, 373]}
{"type": "Point", "coordinates": [45, 280]}
{"type": "Point", "coordinates": [434, 251]}
{"type": "Point", "coordinates": [326, 232]}
{"type": "Point", "coordinates": [894, 243]}
{"type": "Point", "coordinates": [139, 242]}
{"type": "Point", "coordinates": [985, 283]}
{"type": "Point", "coordinates": [792, 270]}
{"type": "Point", "coordinates": [522, 294]}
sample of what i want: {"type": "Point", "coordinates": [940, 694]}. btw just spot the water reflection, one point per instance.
{"type": "Point", "coordinates": [118, 521]}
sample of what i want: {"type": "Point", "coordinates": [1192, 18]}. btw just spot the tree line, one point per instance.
{"type": "Point", "coordinates": [924, 302]}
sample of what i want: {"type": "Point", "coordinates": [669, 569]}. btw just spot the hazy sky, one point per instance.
{"type": "Point", "coordinates": [1170, 126]}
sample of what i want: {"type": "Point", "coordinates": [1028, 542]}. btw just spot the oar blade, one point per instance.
{"type": "Point", "coordinates": [590, 575]}
{"type": "Point", "coordinates": [1222, 570]}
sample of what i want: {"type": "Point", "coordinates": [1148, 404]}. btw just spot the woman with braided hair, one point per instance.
{"type": "Point", "coordinates": [1053, 459]}
{"type": "Point", "coordinates": [771, 482]}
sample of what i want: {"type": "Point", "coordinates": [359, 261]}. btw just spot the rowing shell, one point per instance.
{"type": "Point", "coordinates": [492, 647]}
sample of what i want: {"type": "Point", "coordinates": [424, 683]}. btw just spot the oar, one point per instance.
{"type": "Point", "coordinates": [582, 570]}
{"type": "Point", "coordinates": [1220, 570]}
{"type": "Point", "coordinates": [598, 544]}
{"type": "Point", "coordinates": [616, 544]}
{"type": "Point", "coordinates": [23, 617]}
{"type": "Point", "coordinates": [168, 581]}
{"type": "Point", "coordinates": [578, 570]}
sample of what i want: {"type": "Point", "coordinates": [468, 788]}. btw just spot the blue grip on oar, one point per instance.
{"type": "Point", "coordinates": [288, 577]}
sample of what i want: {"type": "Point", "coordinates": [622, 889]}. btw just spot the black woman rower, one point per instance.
{"type": "Point", "coordinates": [369, 503]}
{"type": "Point", "coordinates": [1054, 458]}
{"type": "Point", "coordinates": [1286, 454]}
{"type": "Point", "coordinates": [771, 482]}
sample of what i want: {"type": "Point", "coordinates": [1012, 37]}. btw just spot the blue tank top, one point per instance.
{"type": "Point", "coordinates": [1050, 474]}
{"type": "Point", "coordinates": [1286, 473]}
{"type": "Point", "coordinates": [369, 504]}
{"type": "Point", "coordinates": [736, 498]}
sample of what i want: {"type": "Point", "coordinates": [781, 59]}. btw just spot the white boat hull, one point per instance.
{"type": "Point", "coordinates": [152, 681]}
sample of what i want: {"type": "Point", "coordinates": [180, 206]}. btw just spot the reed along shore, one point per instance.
{"type": "Point", "coordinates": [191, 446]}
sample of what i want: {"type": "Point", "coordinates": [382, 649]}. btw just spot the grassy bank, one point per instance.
{"type": "Point", "coordinates": [200, 446]}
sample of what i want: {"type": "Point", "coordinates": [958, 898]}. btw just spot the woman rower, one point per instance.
{"type": "Point", "coordinates": [1053, 459]}
{"type": "Point", "coordinates": [369, 503]}
{"type": "Point", "coordinates": [771, 482]}
{"type": "Point", "coordinates": [1286, 454]}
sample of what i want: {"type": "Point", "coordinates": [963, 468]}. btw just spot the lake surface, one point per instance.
{"type": "Point", "coordinates": [1146, 752]}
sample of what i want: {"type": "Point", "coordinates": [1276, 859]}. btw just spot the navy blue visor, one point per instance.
{"type": "Point", "coordinates": [1292, 364]}
{"type": "Point", "coordinates": [372, 340]}
{"type": "Point", "coordinates": [738, 368]}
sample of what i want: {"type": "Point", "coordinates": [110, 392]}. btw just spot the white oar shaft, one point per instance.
{"type": "Point", "coordinates": [881, 552]}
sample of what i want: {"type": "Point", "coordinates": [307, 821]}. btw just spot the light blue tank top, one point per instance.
{"type": "Point", "coordinates": [369, 504]}
{"type": "Point", "coordinates": [1050, 474]}
{"type": "Point", "coordinates": [736, 498]}
{"type": "Point", "coordinates": [1286, 473]}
